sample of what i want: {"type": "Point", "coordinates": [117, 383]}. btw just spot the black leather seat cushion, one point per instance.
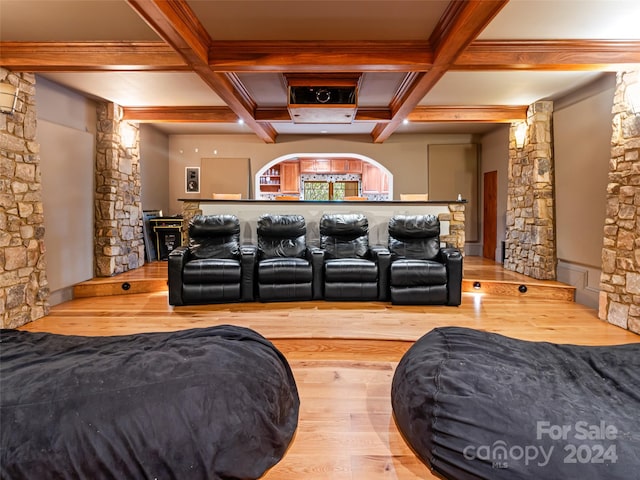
{"type": "Point", "coordinates": [350, 270]}
{"type": "Point", "coordinates": [284, 270]}
{"type": "Point", "coordinates": [409, 273]}
{"type": "Point", "coordinates": [478, 405]}
{"type": "Point", "coordinates": [212, 270]}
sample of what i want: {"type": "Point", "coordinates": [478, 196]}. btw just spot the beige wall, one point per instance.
{"type": "Point", "coordinates": [582, 149]}
{"type": "Point", "coordinates": [495, 157]}
{"type": "Point", "coordinates": [66, 132]}
{"type": "Point", "coordinates": [404, 155]}
{"type": "Point", "coordinates": [154, 168]}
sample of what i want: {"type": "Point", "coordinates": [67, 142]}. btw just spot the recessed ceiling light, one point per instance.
{"type": "Point", "coordinates": [240, 121]}
{"type": "Point", "coordinates": [405, 122]}
{"type": "Point", "coordinates": [324, 131]}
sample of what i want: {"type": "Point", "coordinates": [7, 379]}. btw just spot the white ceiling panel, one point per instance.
{"type": "Point", "coordinates": [71, 21]}
{"type": "Point", "coordinates": [566, 19]}
{"type": "Point", "coordinates": [319, 19]}
{"type": "Point", "coordinates": [504, 88]}
{"type": "Point", "coordinates": [141, 89]}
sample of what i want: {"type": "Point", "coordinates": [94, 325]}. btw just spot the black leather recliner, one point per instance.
{"type": "Point", "coordinates": [421, 272]}
{"type": "Point", "coordinates": [352, 269]}
{"type": "Point", "coordinates": [287, 268]}
{"type": "Point", "coordinates": [214, 267]}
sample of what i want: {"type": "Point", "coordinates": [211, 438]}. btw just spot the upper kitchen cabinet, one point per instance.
{"type": "Point", "coordinates": [315, 165]}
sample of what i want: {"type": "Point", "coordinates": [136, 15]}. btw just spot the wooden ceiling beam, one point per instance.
{"type": "Point", "coordinates": [90, 56]}
{"type": "Point", "coordinates": [434, 114]}
{"type": "Point", "coordinates": [461, 23]}
{"type": "Point", "coordinates": [324, 57]}
{"type": "Point", "coordinates": [549, 55]}
{"type": "Point", "coordinates": [177, 24]}
{"type": "Point", "coordinates": [468, 114]}
{"type": "Point", "coordinates": [180, 114]}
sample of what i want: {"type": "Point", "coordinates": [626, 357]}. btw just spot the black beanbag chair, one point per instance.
{"type": "Point", "coordinates": [212, 403]}
{"type": "Point", "coordinates": [478, 405]}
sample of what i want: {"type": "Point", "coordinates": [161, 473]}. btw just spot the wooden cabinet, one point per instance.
{"type": "Point", "coordinates": [374, 180]}
{"type": "Point", "coordinates": [318, 165]}
{"type": "Point", "coordinates": [333, 165]}
{"type": "Point", "coordinates": [323, 165]}
{"type": "Point", "coordinates": [355, 166]}
{"type": "Point", "coordinates": [290, 177]}
{"type": "Point", "coordinates": [346, 165]}
{"type": "Point", "coordinates": [307, 165]}
{"type": "Point", "coordinates": [339, 165]}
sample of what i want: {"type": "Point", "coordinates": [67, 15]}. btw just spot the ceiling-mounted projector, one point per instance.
{"type": "Point", "coordinates": [330, 98]}
{"type": "Point", "coordinates": [324, 95]}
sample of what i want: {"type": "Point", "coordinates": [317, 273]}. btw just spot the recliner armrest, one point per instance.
{"type": "Point", "coordinates": [315, 255]}
{"type": "Point", "coordinates": [452, 259]}
{"type": "Point", "coordinates": [248, 259]}
{"type": "Point", "coordinates": [178, 257]}
{"type": "Point", "coordinates": [382, 256]}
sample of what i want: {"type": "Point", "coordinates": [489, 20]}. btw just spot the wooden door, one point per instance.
{"type": "Point", "coordinates": [490, 215]}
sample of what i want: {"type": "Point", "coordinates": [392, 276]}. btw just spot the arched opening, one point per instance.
{"type": "Point", "coordinates": [324, 176]}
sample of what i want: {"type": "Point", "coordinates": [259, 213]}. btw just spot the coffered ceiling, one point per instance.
{"type": "Point", "coordinates": [199, 66]}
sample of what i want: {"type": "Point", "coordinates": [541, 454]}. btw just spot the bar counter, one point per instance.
{"type": "Point", "coordinates": [378, 213]}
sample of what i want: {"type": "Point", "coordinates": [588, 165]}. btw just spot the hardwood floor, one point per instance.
{"type": "Point", "coordinates": [343, 356]}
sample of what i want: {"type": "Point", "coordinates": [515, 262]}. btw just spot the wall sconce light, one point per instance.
{"type": "Point", "coordinates": [632, 97]}
{"type": "Point", "coordinates": [520, 134]}
{"type": "Point", "coordinates": [127, 135]}
{"type": "Point", "coordinates": [8, 98]}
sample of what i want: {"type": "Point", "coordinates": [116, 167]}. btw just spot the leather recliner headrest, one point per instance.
{"type": "Point", "coordinates": [348, 225]}
{"type": "Point", "coordinates": [213, 226]}
{"type": "Point", "coordinates": [287, 226]}
{"type": "Point", "coordinates": [414, 226]}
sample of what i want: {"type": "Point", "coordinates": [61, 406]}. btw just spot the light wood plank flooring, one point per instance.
{"type": "Point", "coordinates": [343, 356]}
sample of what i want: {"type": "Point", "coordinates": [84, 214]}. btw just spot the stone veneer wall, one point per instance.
{"type": "Point", "coordinates": [24, 290]}
{"type": "Point", "coordinates": [620, 279]}
{"type": "Point", "coordinates": [119, 241]}
{"type": "Point", "coordinates": [530, 236]}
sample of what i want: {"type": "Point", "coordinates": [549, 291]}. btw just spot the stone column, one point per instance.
{"type": "Point", "coordinates": [189, 210]}
{"type": "Point", "coordinates": [119, 241]}
{"type": "Point", "coordinates": [456, 219]}
{"type": "Point", "coordinates": [620, 279]}
{"type": "Point", "coordinates": [530, 236]}
{"type": "Point", "coordinates": [24, 290]}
